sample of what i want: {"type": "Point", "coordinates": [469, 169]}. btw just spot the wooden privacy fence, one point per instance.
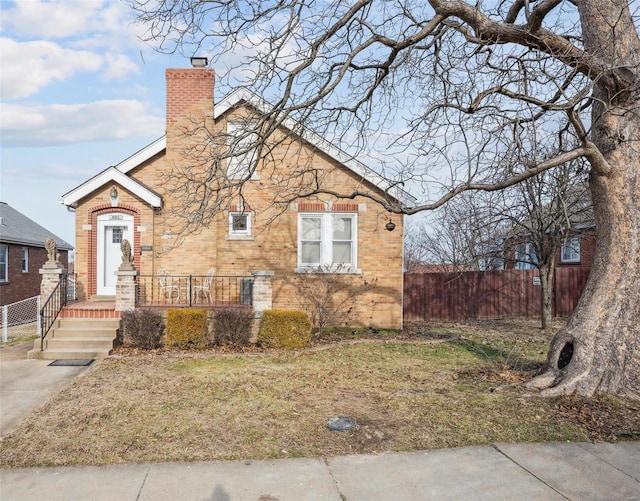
{"type": "Point", "coordinates": [487, 294]}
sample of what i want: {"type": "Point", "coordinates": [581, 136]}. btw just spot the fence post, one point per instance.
{"type": "Point", "coordinates": [38, 316]}
{"type": "Point", "coordinates": [5, 320]}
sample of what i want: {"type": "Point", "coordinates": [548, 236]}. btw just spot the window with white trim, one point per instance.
{"type": "Point", "coordinates": [25, 260]}
{"type": "Point", "coordinates": [525, 257]}
{"type": "Point", "coordinates": [4, 263]}
{"type": "Point", "coordinates": [242, 157]}
{"type": "Point", "coordinates": [571, 250]}
{"type": "Point", "coordinates": [328, 241]}
{"type": "Point", "coordinates": [240, 224]}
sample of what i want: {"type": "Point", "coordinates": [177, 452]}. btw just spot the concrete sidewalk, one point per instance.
{"type": "Point", "coordinates": [546, 471]}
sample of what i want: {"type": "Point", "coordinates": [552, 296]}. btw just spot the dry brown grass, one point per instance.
{"type": "Point", "coordinates": [407, 394]}
{"type": "Point", "coordinates": [20, 333]}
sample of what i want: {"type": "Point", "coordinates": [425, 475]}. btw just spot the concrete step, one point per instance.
{"type": "Point", "coordinates": [91, 323]}
{"type": "Point", "coordinates": [72, 338]}
{"type": "Point", "coordinates": [102, 299]}
{"type": "Point", "coordinates": [83, 354]}
{"type": "Point", "coordinates": [80, 343]}
{"type": "Point", "coordinates": [84, 332]}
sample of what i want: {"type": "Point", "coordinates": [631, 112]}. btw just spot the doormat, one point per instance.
{"type": "Point", "coordinates": [71, 363]}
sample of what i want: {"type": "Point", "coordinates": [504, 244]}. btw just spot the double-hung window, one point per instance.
{"type": "Point", "coordinates": [526, 258]}
{"type": "Point", "coordinates": [328, 242]}
{"type": "Point", "coordinates": [25, 260]}
{"type": "Point", "coordinates": [571, 250]}
{"type": "Point", "coordinates": [4, 263]}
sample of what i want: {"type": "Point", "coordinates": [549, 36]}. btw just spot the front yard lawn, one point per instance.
{"type": "Point", "coordinates": [444, 385]}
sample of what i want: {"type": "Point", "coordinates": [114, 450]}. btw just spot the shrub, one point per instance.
{"type": "Point", "coordinates": [143, 329]}
{"type": "Point", "coordinates": [232, 326]}
{"type": "Point", "coordinates": [187, 328]}
{"type": "Point", "coordinates": [288, 329]}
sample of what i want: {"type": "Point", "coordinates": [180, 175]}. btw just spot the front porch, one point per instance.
{"type": "Point", "coordinates": [76, 329]}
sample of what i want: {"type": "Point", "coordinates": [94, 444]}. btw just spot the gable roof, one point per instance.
{"type": "Point", "coordinates": [235, 98]}
{"type": "Point", "coordinates": [16, 228]}
{"type": "Point", "coordinates": [114, 174]}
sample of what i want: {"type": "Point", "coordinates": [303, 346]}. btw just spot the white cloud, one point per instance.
{"type": "Point", "coordinates": [44, 125]}
{"type": "Point", "coordinates": [29, 66]}
{"type": "Point", "coordinates": [119, 67]}
{"type": "Point", "coordinates": [57, 20]}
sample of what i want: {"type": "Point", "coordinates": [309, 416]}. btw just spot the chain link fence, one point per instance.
{"type": "Point", "coordinates": [22, 312]}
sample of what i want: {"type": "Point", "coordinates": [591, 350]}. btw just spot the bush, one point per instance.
{"type": "Point", "coordinates": [232, 326]}
{"type": "Point", "coordinates": [187, 329]}
{"type": "Point", "coordinates": [143, 329]}
{"type": "Point", "coordinates": [288, 329]}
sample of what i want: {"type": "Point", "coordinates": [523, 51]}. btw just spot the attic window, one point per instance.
{"type": "Point", "coordinates": [242, 153]}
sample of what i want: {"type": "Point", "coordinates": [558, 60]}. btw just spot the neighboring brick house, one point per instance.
{"type": "Point", "coordinates": [577, 244]}
{"type": "Point", "coordinates": [22, 254]}
{"type": "Point", "coordinates": [576, 251]}
{"type": "Point", "coordinates": [133, 201]}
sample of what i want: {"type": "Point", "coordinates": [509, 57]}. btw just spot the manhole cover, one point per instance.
{"type": "Point", "coordinates": [341, 423]}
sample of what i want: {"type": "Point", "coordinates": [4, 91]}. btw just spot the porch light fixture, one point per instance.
{"type": "Point", "coordinates": [390, 226]}
{"type": "Point", "coordinates": [199, 62]}
{"type": "Point", "coordinates": [113, 195]}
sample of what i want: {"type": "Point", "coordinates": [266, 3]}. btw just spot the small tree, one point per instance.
{"type": "Point", "coordinates": [544, 212]}
{"type": "Point", "coordinates": [327, 295]}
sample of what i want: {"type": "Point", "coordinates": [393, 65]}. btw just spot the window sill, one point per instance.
{"type": "Point", "coordinates": [318, 270]}
{"type": "Point", "coordinates": [255, 177]}
{"type": "Point", "coordinates": [239, 237]}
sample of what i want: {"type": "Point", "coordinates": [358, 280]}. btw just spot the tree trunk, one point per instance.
{"type": "Point", "coordinates": [599, 349]}
{"type": "Point", "coordinates": [546, 294]}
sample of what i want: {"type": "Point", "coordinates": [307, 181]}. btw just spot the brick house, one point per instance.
{"type": "Point", "coordinates": [22, 254]}
{"type": "Point", "coordinates": [576, 232]}
{"type": "Point", "coordinates": [138, 200]}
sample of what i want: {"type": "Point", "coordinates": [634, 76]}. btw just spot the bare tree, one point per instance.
{"type": "Point", "coordinates": [465, 235]}
{"type": "Point", "coordinates": [474, 88]}
{"type": "Point", "coordinates": [544, 213]}
{"type": "Point", "coordinates": [524, 225]}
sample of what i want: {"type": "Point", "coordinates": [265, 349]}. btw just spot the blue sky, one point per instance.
{"type": "Point", "coordinates": [79, 92]}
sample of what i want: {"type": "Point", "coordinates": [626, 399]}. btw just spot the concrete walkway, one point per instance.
{"type": "Point", "coordinates": [27, 384]}
{"type": "Point", "coordinates": [545, 471]}
{"type": "Point", "coordinates": [504, 471]}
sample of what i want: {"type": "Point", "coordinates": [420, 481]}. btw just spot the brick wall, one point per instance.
{"type": "Point", "coordinates": [25, 285]}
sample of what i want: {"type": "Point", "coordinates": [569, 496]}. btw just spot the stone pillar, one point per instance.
{"type": "Point", "coordinates": [262, 299]}
{"type": "Point", "coordinates": [126, 281]}
{"type": "Point", "coordinates": [126, 289]}
{"type": "Point", "coordinates": [51, 272]}
{"type": "Point", "coordinates": [262, 291]}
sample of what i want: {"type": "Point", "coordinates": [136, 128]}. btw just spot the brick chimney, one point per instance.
{"type": "Point", "coordinates": [189, 102]}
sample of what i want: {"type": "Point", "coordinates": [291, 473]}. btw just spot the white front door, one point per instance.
{"type": "Point", "coordinates": [113, 228]}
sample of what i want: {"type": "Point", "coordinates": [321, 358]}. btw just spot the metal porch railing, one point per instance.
{"type": "Point", "coordinates": [52, 308]}
{"type": "Point", "coordinates": [184, 291]}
